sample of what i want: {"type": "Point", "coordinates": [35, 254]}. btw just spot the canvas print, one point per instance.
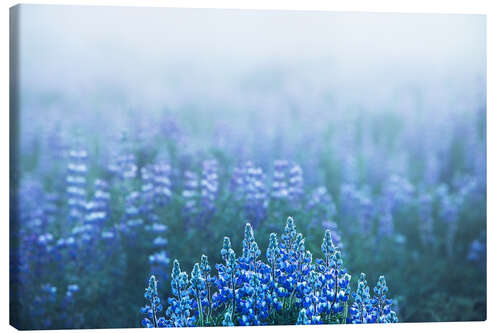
{"type": "Point", "coordinates": [219, 167]}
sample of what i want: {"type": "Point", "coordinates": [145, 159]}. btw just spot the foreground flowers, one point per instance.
{"type": "Point", "coordinates": [290, 288]}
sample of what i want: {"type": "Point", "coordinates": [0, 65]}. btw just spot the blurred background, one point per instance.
{"type": "Point", "coordinates": [176, 126]}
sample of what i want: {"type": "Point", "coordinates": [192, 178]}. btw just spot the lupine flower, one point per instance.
{"type": "Point", "coordinates": [362, 310]}
{"type": "Point", "coordinates": [209, 186]}
{"type": "Point", "coordinates": [76, 184]}
{"type": "Point", "coordinates": [132, 211]}
{"type": "Point", "coordinates": [124, 163]}
{"type": "Point", "coordinates": [190, 193]}
{"type": "Point", "coordinates": [162, 183]}
{"type": "Point", "coordinates": [398, 191]}
{"type": "Point", "coordinates": [159, 262]}
{"type": "Point", "coordinates": [154, 307]}
{"type": "Point", "coordinates": [336, 278]}
{"type": "Point", "coordinates": [237, 183]}
{"type": "Point", "coordinates": [158, 231]}
{"type": "Point", "coordinates": [288, 183]}
{"type": "Point", "coordinates": [280, 180]}
{"type": "Point", "coordinates": [209, 282]}
{"type": "Point", "coordinates": [334, 231]}
{"type": "Point", "coordinates": [197, 289]}
{"type": "Point", "coordinates": [295, 183]}
{"type": "Point", "coordinates": [178, 313]}
{"type": "Point", "coordinates": [382, 303]}
{"type": "Point", "coordinates": [98, 208]}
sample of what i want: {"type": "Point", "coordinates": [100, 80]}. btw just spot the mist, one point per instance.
{"type": "Point", "coordinates": [165, 56]}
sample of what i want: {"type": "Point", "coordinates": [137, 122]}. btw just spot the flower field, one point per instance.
{"type": "Point", "coordinates": [184, 167]}
{"type": "Point", "coordinates": [92, 223]}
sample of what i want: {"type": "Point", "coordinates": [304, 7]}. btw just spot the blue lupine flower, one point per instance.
{"type": "Point", "coordinates": [76, 184]}
{"type": "Point", "coordinates": [153, 307]}
{"type": "Point", "coordinates": [159, 262]}
{"type": "Point", "coordinates": [124, 164]}
{"type": "Point", "coordinates": [280, 180]}
{"type": "Point", "coordinates": [178, 313]}
{"type": "Point", "coordinates": [209, 282]}
{"type": "Point", "coordinates": [98, 208]}
{"type": "Point", "coordinates": [334, 231]}
{"type": "Point", "coordinates": [132, 217]}
{"type": "Point", "coordinates": [197, 289]}
{"type": "Point", "coordinates": [398, 191]}
{"type": "Point", "coordinates": [382, 303]}
{"type": "Point", "coordinates": [190, 193]}
{"type": "Point", "coordinates": [295, 183]}
{"type": "Point", "coordinates": [162, 183]}
{"type": "Point", "coordinates": [288, 183]}
{"type": "Point", "coordinates": [362, 310]}
{"type": "Point", "coordinates": [273, 255]}
{"type": "Point", "coordinates": [209, 186]}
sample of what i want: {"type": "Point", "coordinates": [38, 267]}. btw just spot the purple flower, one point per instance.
{"type": "Point", "coordinates": [209, 186]}
{"type": "Point", "coordinates": [76, 183]}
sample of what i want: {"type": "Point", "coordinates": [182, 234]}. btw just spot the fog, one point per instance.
{"type": "Point", "coordinates": [157, 57]}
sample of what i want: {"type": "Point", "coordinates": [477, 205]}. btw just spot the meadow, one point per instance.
{"type": "Point", "coordinates": [322, 211]}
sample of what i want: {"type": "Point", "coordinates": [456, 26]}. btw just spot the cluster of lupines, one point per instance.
{"type": "Point", "coordinates": [249, 291]}
{"type": "Point", "coordinates": [80, 248]}
{"type": "Point", "coordinates": [48, 250]}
